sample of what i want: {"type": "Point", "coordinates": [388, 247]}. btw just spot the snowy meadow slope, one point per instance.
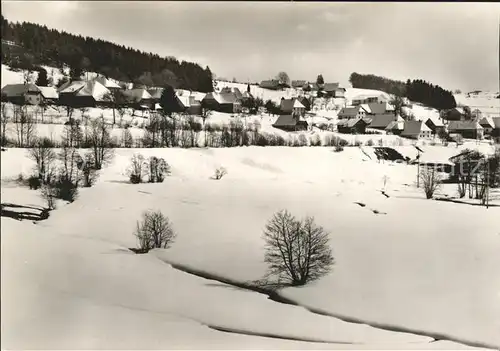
{"type": "Point", "coordinates": [426, 267]}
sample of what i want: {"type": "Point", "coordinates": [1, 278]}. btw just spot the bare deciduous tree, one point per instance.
{"type": "Point", "coordinates": [89, 171]}
{"type": "Point", "coordinates": [101, 142]}
{"type": "Point", "coordinates": [158, 169]}
{"type": "Point", "coordinates": [25, 128]}
{"type": "Point", "coordinates": [154, 231]}
{"type": "Point", "coordinates": [44, 157]}
{"type": "Point", "coordinates": [4, 122]}
{"type": "Point", "coordinates": [431, 180]}
{"type": "Point", "coordinates": [49, 193]}
{"type": "Point", "coordinates": [297, 251]}
{"type": "Point", "coordinates": [136, 169]}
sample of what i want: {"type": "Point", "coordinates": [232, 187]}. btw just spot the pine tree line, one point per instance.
{"type": "Point", "coordinates": [416, 90]}
{"type": "Point", "coordinates": [57, 48]}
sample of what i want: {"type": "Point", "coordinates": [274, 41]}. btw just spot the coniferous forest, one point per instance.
{"type": "Point", "coordinates": [43, 46]}
{"type": "Point", "coordinates": [416, 90]}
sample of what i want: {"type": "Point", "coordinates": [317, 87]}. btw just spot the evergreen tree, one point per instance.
{"type": "Point", "coordinates": [169, 101]}
{"type": "Point", "coordinates": [42, 79]}
{"type": "Point", "coordinates": [320, 81]}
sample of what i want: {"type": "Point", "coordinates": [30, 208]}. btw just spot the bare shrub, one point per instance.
{"type": "Point", "coordinates": [154, 231]}
{"type": "Point", "coordinates": [370, 142]}
{"type": "Point", "coordinates": [158, 169]}
{"type": "Point", "coordinates": [136, 169]}
{"type": "Point", "coordinates": [127, 139]}
{"type": "Point", "coordinates": [338, 148]}
{"type": "Point", "coordinates": [88, 168]}
{"type": "Point", "coordinates": [49, 194]}
{"type": "Point", "coordinates": [44, 157]}
{"type": "Point", "coordinates": [219, 173]}
{"type": "Point", "coordinates": [297, 251]}
{"type": "Point", "coordinates": [33, 182]}
{"type": "Point", "coordinates": [66, 189]}
{"type": "Point", "coordinates": [431, 181]}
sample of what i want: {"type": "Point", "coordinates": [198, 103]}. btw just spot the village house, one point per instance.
{"type": "Point", "coordinates": [155, 94]}
{"type": "Point", "coordinates": [381, 121]}
{"type": "Point", "coordinates": [298, 84]}
{"type": "Point", "coordinates": [352, 112]}
{"type": "Point", "coordinates": [189, 104]}
{"type": "Point", "coordinates": [80, 93]}
{"type": "Point", "coordinates": [455, 114]}
{"type": "Point", "coordinates": [435, 125]}
{"type": "Point", "coordinates": [292, 122]}
{"type": "Point", "coordinates": [139, 98]}
{"type": "Point", "coordinates": [487, 125]}
{"type": "Point", "coordinates": [353, 125]}
{"type": "Point", "coordinates": [108, 83]}
{"type": "Point", "coordinates": [416, 130]}
{"type": "Point", "coordinates": [467, 129]}
{"type": "Point", "coordinates": [222, 102]}
{"type": "Point", "coordinates": [395, 127]}
{"type": "Point", "coordinates": [333, 90]}
{"type": "Point", "coordinates": [369, 98]}
{"type": "Point", "coordinates": [292, 106]}
{"type": "Point", "coordinates": [272, 84]}
{"type": "Point", "coordinates": [29, 94]}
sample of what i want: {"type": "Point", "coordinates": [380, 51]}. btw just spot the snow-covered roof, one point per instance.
{"type": "Point", "coordinates": [137, 94]}
{"type": "Point", "coordinates": [298, 104]}
{"type": "Point", "coordinates": [95, 89]}
{"type": "Point", "coordinates": [49, 92]}
{"type": "Point", "coordinates": [108, 83]}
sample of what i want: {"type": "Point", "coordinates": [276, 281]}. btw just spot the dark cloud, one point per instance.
{"type": "Point", "coordinates": [451, 44]}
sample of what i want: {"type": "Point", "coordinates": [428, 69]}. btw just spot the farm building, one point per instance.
{"type": "Point", "coordinates": [139, 98]}
{"type": "Point", "coordinates": [435, 125]}
{"type": "Point", "coordinates": [222, 102]}
{"type": "Point", "coordinates": [395, 127]}
{"type": "Point", "coordinates": [455, 114]}
{"type": "Point", "coordinates": [333, 90]}
{"type": "Point", "coordinates": [487, 125]}
{"type": "Point", "coordinates": [353, 125]}
{"type": "Point", "coordinates": [83, 94]}
{"type": "Point", "coordinates": [416, 130]}
{"type": "Point", "coordinates": [288, 106]}
{"type": "Point", "coordinates": [298, 84]}
{"type": "Point", "coordinates": [366, 99]}
{"type": "Point", "coordinates": [290, 123]}
{"type": "Point", "coordinates": [352, 112]}
{"type": "Point", "coordinates": [383, 120]}
{"type": "Point", "coordinates": [108, 83]}
{"type": "Point", "coordinates": [29, 94]}
{"type": "Point", "coordinates": [467, 129]}
{"type": "Point", "coordinates": [272, 84]}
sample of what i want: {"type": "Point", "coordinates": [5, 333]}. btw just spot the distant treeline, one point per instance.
{"type": "Point", "coordinates": [416, 90]}
{"type": "Point", "coordinates": [57, 48]}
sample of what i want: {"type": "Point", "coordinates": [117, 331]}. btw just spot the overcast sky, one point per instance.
{"type": "Point", "coordinates": [454, 45]}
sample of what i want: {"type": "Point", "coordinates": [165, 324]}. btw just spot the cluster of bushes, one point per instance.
{"type": "Point", "coordinates": [59, 174]}
{"type": "Point", "coordinates": [155, 168]}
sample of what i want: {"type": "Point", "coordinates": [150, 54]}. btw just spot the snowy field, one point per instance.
{"type": "Point", "coordinates": [426, 270]}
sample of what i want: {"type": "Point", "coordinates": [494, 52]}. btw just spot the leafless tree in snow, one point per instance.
{"type": "Point", "coordinates": [154, 231]}
{"type": "Point", "coordinates": [25, 128]}
{"type": "Point", "coordinates": [44, 157]}
{"type": "Point", "coordinates": [297, 251]}
{"type": "Point", "coordinates": [431, 180]}
{"type": "Point", "coordinates": [100, 142]}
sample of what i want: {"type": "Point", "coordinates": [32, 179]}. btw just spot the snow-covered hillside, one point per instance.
{"type": "Point", "coordinates": [486, 102]}
{"type": "Point", "coordinates": [421, 266]}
